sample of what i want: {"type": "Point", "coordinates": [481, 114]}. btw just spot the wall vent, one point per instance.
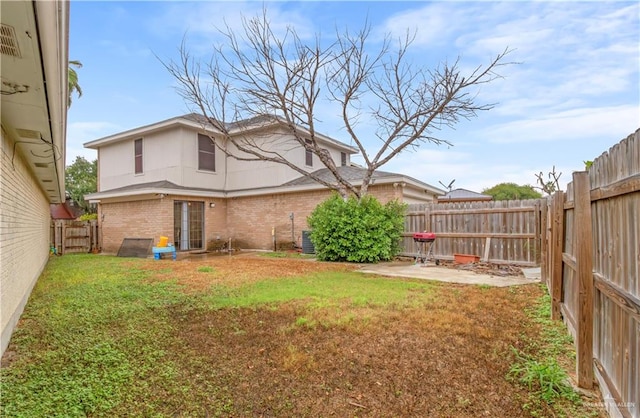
{"type": "Point", "coordinates": [9, 42]}
{"type": "Point", "coordinates": [28, 133]}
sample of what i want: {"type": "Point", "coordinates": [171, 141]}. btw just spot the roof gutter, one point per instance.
{"type": "Point", "coordinates": [52, 26]}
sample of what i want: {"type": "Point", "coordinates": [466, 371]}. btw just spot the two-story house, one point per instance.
{"type": "Point", "coordinates": [169, 179]}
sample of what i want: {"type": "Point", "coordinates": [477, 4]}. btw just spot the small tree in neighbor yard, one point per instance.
{"type": "Point", "coordinates": [356, 230]}
{"type": "Point", "coordinates": [511, 191]}
{"type": "Point", "coordinates": [551, 185]}
{"type": "Point", "coordinates": [81, 179]}
{"type": "Point", "coordinates": [257, 73]}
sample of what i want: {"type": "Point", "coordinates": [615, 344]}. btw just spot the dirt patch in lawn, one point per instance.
{"type": "Point", "coordinates": [447, 359]}
{"type": "Point", "coordinates": [200, 273]}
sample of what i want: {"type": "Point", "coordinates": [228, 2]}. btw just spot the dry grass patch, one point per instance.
{"type": "Point", "coordinates": [249, 336]}
{"type": "Point", "coordinates": [200, 273]}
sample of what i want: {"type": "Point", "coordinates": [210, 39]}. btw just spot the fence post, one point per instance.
{"type": "Point", "coordinates": [557, 239]}
{"type": "Point", "coordinates": [93, 225]}
{"type": "Point", "coordinates": [543, 232]}
{"type": "Point", "coordinates": [541, 226]}
{"type": "Point", "coordinates": [583, 237]}
{"type": "Point", "coordinates": [59, 236]}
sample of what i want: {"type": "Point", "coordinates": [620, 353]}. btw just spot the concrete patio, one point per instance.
{"type": "Point", "coordinates": [449, 275]}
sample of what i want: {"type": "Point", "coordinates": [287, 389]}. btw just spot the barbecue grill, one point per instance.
{"type": "Point", "coordinates": [425, 241]}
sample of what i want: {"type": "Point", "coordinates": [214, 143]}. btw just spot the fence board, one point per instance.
{"type": "Point", "coordinates": [69, 236]}
{"type": "Point", "coordinates": [499, 232]}
{"type": "Point", "coordinates": [584, 276]}
{"type": "Point", "coordinates": [611, 192]}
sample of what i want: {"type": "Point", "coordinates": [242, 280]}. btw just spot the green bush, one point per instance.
{"type": "Point", "coordinates": [360, 231]}
{"type": "Point", "coordinates": [88, 217]}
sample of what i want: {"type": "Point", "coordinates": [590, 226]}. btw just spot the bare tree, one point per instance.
{"type": "Point", "coordinates": [258, 77]}
{"type": "Point", "coordinates": [551, 185]}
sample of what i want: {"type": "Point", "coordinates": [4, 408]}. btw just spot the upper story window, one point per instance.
{"type": "Point", "coordinates": [308, 154]}
{"type": "Point", "coordinates": [137, 154]}
{"type": "Point", "coordinates": [206, 153]}
{"type": "Point", "coordinates": [343, 159]}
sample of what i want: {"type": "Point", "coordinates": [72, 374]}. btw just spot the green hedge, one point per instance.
{"type": "Point", "coordinates": [359, 231]}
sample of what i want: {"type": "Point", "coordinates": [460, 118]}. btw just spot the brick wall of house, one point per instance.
{"type": "Point", "coordinates": [24, 236]}
{"type": "Point", "coordinates": [248, 221]}
{"type": "Point", "coordinates": [215, 222]}
{"type": "Point", "coordinates": [153, 218]}
{"type": "Point", "coordinates": [252, 219]}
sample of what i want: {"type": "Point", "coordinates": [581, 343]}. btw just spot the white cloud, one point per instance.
{"type": "Point", "coordinates": [433, 24]}
{"type": "Point", "coordinates": [574, 124]}
{"type": "Point", "coordinates": [470, 170]}
{"type": "Point", "coordinates": [467, 169]}
{"type": "Point", "coordinates": [80, 132]}
{"type": "Point", "coordinates": [202, 22]}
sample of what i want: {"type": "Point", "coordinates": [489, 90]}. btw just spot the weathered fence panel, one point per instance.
{"type": "Point", "coordinates": [497, 231]}
{"type": "Point", "coordinates": [597, 290]}
{"type": "Point", "coordinates": [69, 236]}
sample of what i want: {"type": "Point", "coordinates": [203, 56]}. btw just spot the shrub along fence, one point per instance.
{"type": "Point", "coordinates": [591, 258]}
{"type": "Point", "coordinates": [501, 232]}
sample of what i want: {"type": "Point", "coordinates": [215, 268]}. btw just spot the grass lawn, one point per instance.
{"type": "Point", "coordinates": [254, 336]}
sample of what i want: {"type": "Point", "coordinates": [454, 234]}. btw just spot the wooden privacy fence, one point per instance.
{"type": "Point", "coordinates": [496, 231]}
{"type": "Point", "coordinates": [69, 236]}
{"type": "Point", "coordinates": [591, 254]}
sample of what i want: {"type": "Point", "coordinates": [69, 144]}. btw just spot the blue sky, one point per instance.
{"type": "Point", "coordinates": [573, 94]}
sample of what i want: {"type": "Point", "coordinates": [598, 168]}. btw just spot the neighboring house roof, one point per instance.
{"type": "Point", "coordinates": [63, 211]}
{"type": "Point", "coordinates": [200, 123]}
{"type": "Point", "coordinates": [459, 195]}
{"type": "Point", "coordinates": [34, 62]}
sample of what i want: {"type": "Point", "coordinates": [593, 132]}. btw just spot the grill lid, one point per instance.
{"type": "Point", "coordinates": [424, 236]}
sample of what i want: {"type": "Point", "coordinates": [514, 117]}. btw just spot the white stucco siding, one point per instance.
{"type": "Point", "coordinates": [243, 175]}
{"type": "Point", "coordinates": [252, 174]}
{"type": "Point", "coordinates": [170, 155]}
{"type": "Point", "coordinates": [24, 236]}
{"type": "Point", "coordinates": [160, 161]}
{"type": "Point", "coordinates": [191, 175]}
{"type": "Point", "coordinates": [248, 175]}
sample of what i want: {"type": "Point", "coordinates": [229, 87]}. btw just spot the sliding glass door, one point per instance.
{"type": "Point", "coordinates": [188, 225]}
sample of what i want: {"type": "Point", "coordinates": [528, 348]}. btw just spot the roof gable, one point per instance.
{"type": "Point", "coordinates": [200, 123]}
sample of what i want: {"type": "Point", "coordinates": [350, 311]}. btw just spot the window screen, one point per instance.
{"type": "Point", "coordinates": [206, 153]}
{"type": "Point", "coordinates": [137, 145]}
{"type": "Point", "coordinates": [308, 155]}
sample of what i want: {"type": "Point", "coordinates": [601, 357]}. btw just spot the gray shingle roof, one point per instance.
{"type": "Point", "coordinates": [349, 173]}
{"type": "Point", "coordinates": [163, 184]}
{"type": "Point", "coordinates": [464, 194]}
